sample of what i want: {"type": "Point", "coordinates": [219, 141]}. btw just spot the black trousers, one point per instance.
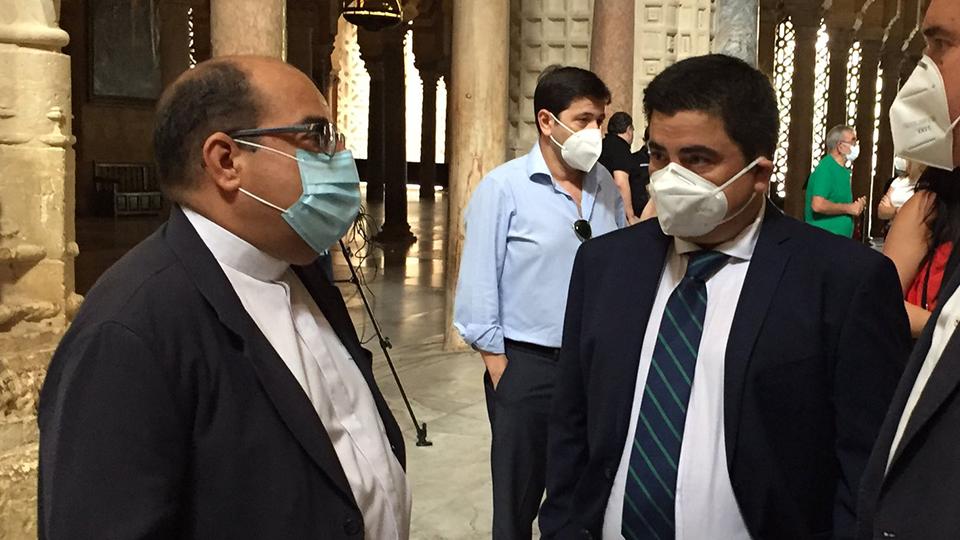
{"type": "Point", "coordinates": [519, 410]}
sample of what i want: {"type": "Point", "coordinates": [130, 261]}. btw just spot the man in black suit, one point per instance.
{"type": "Point", "coordinates": [212, 385]}
{"type": "Point", "coordinates": [725, 368]}
{"type": "Point", "coordinates": [911, 487]}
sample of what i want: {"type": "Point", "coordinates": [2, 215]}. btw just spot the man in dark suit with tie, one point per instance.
{"type": "Point", "coordinates": [212, 385]}
{"type": "Point", "coordinates": [724, 368]}
{"type": "Point", "coordinates": [911, 488]}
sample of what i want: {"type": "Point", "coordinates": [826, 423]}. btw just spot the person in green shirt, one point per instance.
{"type": "Point", "coordinates": [830, 203]}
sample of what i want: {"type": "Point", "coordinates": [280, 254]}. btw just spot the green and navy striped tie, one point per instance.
{"type": "Point", "coordinates": [650, 492]}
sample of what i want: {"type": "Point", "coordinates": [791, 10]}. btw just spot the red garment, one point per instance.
{"type": "Point", "coordinates": [936, 268]}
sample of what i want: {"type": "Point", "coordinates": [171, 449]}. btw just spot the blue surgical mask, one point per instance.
{"type": "Point", "coordinates": [331, 196]}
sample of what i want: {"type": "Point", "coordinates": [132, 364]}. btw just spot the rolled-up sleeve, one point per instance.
{"type": "Point", "coordinates": [477, 305]}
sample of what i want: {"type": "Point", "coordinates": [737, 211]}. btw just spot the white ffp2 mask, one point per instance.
{"type": "Point", "coordinates": [582, 149]}
{"type": "Point", "coordinates": [920, 118]}
{"type": "Point", "coordinates": [689, 205]}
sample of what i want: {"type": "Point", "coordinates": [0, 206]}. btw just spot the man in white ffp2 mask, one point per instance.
{"type": "Point", "coordinates": [524, 224]}
{"type": "Point", "coordinates": [911, 487]}
{"type": "Point", "coordinates": [724, 368]}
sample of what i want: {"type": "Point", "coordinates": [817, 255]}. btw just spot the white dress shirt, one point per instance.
{"type": "Point", "coordinates": [946, 325]}
{"type": "Point", "coordinates": [705, 505]}
{"type": "Point", "coordinates": [289, 318]}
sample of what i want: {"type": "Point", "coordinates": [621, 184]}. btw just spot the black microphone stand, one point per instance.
{"type": "Point", "coordinates": [385, 345]}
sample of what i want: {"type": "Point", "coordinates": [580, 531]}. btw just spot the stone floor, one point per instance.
{"type": "Point", "coordinates": [451, 479]}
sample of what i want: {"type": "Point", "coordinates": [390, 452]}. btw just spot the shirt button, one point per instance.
{"type": "Point", "coordinates": [352, 527]}
{"type": "Point", "coordinates": [608, 472]}
{"type": "Point", "coordinates": [585, 533]}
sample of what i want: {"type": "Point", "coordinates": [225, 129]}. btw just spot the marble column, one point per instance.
{"type": "Point", "coordinates": [611, 50]}
{"type": "Point", "coordinates": [395, 229]}
{"type": "Point", "coordinates": [371, 51]}
{"type": "Point", "coordinates": [428, 134]}
{"type": "Point", "coordinates": [866, 116]}
{"type": "Point", "coordinates": [477, 99]}
{"type": "Point", "coordinates": [800, 154]}
{"type": "Point", "coordinates": [841, 39]}
{"type": "Point", "coordinates": [37, 247]}
{"type": "Point", "coordinates": [890, 63]}
{"type": "Point", "coordinates": [249, 27]}
{"type": "Point", "coordinates": [737, 29]}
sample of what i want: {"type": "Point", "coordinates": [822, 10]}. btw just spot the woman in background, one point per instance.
{"type": "Point", "coordinates": [920, 243]}
{"type": "Point", "coordinates": [901, 187]}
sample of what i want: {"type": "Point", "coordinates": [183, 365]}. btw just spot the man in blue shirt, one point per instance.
{"type": "Point", "coordinates": [524, 224]}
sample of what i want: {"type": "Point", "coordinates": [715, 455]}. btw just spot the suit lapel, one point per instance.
{"type": "Point", "coordinates": [767, 264]}
{"type": "Point", "coordinates": [280, 385]}
{"type": "Point", "coordinates": [944, 379]}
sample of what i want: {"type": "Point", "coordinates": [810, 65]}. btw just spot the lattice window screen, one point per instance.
{"type": "Point", "coordinates": [876, 123]}
{"type": "Point", "coordinates": [853, 83]}
{"type": "Point", "coordinates": [191, 43]}
{"type": "Point", "coordinates": [821, 94]}
{"type": "Point", "coordinates": [783, 84]}
{"type": "Point", "coordinates": [414, 98]}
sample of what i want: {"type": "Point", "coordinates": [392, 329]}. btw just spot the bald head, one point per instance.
{"type": "Point", "coordinates": [220, 95]}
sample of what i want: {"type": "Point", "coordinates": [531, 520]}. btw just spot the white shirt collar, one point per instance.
{"type": "Point", "coordinates": [740, 247]}
{"type": "Point", "coordinates": [235, 252]}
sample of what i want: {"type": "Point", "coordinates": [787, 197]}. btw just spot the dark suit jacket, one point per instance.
{"type": "Point", "coordinates": [166, 413]}
{"type": "Point", "coordinates": [818, 342]}
{"type": "Point", "coordinates": [919, 497]}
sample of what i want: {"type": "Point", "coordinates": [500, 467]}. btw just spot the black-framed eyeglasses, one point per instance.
{"type": "Point", "coordinates": [583, 230]}
{"type": "Point", "coordinates": [326, 135]}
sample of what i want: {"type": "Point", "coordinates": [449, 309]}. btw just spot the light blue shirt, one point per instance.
{"type": "Point", "coordinates": [519, 249]}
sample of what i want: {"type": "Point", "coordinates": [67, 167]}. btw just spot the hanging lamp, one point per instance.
{"type": "Point", "coordinates": [373, 14]}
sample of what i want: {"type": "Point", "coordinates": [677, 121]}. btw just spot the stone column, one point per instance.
{"type": "Point", "coordinates": [37, 247]}
{"type": "Point", "coordinates": [767, 36]}
{"type": "Point", "coordinates": [395, 228]}
{"type": "Point", "coordinates": [371, 51]}
{"type": "Point", "coordinates": [866, 115]}
{"type": "Point", "coordinates": [737, 29]}
{"type": "Point", "coordinates": [611, 50]}
{"type": "Point", "coordinates": [428, 134]}
{"type": "Point", "coordinates": [841, 39]}
{"type": "Point", "coordinates": [477, 97]}
{"type": "Point", "coordinates": [806, 26]}
{"type": "Point", "coordinates": [249, 27]}
{"type": "Point", "coordinates": [891, 75]}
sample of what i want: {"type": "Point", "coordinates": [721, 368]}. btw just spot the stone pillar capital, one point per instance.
{"type": "Point", "coordinates": [33, 23]}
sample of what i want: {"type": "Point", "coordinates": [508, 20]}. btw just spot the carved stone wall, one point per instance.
{"type": "Point", "coordinates": [667, 31]}
{"type": "Point", "coordinates": [550, 32]}
{"type": "Point", "coordinates": [37, 245]}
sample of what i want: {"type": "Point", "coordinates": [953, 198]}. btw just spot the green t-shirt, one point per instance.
{"type": "Point", "coordinates": [831, 181]}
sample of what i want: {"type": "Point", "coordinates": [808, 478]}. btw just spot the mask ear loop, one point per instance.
{"type": "Point", "coordinates": [268, 149]}
{"type": "Point", "coordinates": [752, 196]}
{"type": "Point", "coordinates": [736, 177]}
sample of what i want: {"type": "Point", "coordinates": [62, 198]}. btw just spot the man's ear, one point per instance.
{"type": "Point", "coordinates": [220, 161]}
{"type": "Point", "coordinates": [545, 121]}
{"type": "Point", "coordinates": [763, 172]}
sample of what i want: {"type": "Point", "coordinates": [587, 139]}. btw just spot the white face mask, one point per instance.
{"type": "Point", "coordinates": [854, 152]}
{"type": "Point", "coordinates": [689, 205]}
{"type": "Point", "coordinates": [582, 149]}
{"type": "Point", "coordinates": [920, 118]}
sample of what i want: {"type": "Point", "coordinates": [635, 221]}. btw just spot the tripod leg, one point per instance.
{"type": "Point", "coordinates": [384, 346]}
